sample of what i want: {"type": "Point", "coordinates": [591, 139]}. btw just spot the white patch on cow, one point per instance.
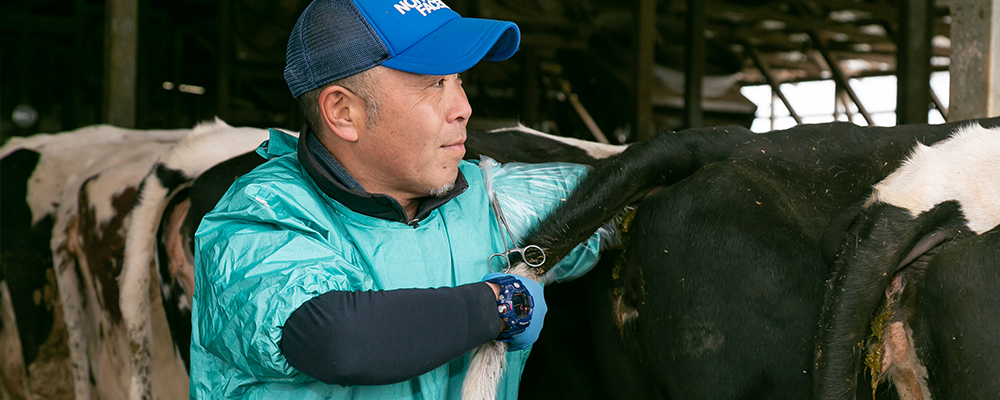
{"type": "Point", "coordinates": [68, 155]}
{"type": "Point", "coordinates": [593, 149]}
{"type": "Point", "coordinates": [102, 189]}
{"type": "Point", "coordinates": [964, 168]}
{"type": "Point", "coordinates": [133, 296]}
{"type": "Point", "coordinates": [211, 143]}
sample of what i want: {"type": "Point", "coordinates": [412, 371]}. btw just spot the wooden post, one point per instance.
{"type": "Point", "coordinates": [645, 34]}
{"type": "Point", "coordinates": [772, 81]}
{"type": "Point", "coordinates": [839, 77]}
{"type": "Point", "coordinates": [694, 63]}
{"type": "Point", "coordinates": [913, 61]}
{"type": "Point", "coordinates": [120, 38]}
{"type": "Point", "coordinates": [975, 63]}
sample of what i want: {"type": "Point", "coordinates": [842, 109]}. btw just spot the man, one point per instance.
{"type": "Point", "coordinates": [350, 264]}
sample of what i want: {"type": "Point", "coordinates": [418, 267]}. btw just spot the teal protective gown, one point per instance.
{"type": "Point", "coordinates": [275, 241]}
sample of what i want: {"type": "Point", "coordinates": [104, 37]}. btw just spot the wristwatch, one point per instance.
{"type": "Point", "coordinates": [515, 306]}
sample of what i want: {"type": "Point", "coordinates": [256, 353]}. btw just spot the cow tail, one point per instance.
{"type": "Point", "coordinates": [489, 360]}
{"type": "Point", "coordinates": [624, 179]}
{"type": "Point", "coordinates": [483, 376]}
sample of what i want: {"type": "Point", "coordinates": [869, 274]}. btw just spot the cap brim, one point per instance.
{"type": "Point", "coordinates": [457, 46]}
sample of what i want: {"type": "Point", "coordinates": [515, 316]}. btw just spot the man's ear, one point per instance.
{"type": "Point", "coordinates": [342, 111]}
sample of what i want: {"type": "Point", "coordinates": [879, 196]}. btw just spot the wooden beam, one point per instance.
{"type": "Point", "coordinates": [694, 63]}
{"type": "Point", "coordinates": [581, 111]}
{"type": "Point", "coordinates": [913, 61]}
{"type": "Point", "coordinates": [120, 55]}
{"type": "Point", "coordinates": [844, 99]}
{"type": "Point", "coordinates": [645, 35]}
{"type": "Point", "coordinates": [975, 61]}
{"type": "Point", "coordinates": [939, 105]}
{"type": "Point", "coordinates": [839, 77]}
{"type": "Point", "coordinates": [775, 85]}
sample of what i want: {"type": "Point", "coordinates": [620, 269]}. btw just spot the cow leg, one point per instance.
{"type": "Point", "coordinates": [64, 243]}
{"type": "Point", "coordinates": [14, 375]}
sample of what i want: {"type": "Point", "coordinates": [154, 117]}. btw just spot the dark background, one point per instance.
{"type": "Point", "coordinates": [53, 59]}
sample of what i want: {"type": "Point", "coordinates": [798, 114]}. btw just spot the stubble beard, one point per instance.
{"type": "Point", "coordinates": [442, 190]}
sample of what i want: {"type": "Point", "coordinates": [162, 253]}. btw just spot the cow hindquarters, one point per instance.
{"type": "Point", "coordinates": [884, 256]}
{"type": "Point", "coordinates": [725, 275]}
{"type": "Point", "coordinates": [956, 319]}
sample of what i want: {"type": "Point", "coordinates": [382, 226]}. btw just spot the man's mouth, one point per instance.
{"type": "Point", "coordinates": [457, 145]}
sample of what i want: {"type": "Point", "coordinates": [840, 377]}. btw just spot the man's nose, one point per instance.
{"type": "Point", "coordinates": [460, 109]}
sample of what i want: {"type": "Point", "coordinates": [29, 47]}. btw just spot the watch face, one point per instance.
{"type": "Point", "coordinates": [522, 305]}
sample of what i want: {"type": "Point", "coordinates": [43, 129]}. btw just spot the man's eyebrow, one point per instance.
{"type": "Point", "coordinates": [428, 79]}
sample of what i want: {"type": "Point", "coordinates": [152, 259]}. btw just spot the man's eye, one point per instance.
{"type": "Point", "coordinates": [439, 82]}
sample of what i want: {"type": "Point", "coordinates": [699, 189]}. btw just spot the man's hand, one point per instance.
{"type": "Point", "coordinates": [611, 232]}
{"type": "Point", "coordinates": [530, 334]}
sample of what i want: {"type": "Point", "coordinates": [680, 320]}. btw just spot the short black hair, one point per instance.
{"type": "Point", "coordinates": [362, 84]}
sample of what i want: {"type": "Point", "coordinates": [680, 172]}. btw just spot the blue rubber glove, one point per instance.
{"type": "Point", "coordinates": [526, 338]}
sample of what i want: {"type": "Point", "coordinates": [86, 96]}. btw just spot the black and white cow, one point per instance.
{"type": "Point", "coordinates": [63, 199]}
{"type": "Point", "coordinates": [739, 227]}
{"type": "Point", "coordinates": [718, 289]}
{"type": "Point", "coordinates": [61, 267]}
{"type": "Point", "coordinates": [916, 285]}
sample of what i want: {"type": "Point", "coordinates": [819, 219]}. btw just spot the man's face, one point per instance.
{"type": "Point", "coordinates": [416, 145]}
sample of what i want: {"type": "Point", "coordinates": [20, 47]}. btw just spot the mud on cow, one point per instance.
{"type": "Point", "coordinates": [719, 287]}
{"type": "Point", "coordinates": [915, 287]}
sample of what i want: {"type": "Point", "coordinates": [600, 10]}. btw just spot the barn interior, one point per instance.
{"type": "Point", "coordinates": [588, 69]}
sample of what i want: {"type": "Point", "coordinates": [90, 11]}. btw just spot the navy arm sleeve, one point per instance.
{"type": "Point", "coordinates": [383, 337]}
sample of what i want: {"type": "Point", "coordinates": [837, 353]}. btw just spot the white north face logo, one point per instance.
{"type": "Point", "coordinates": [423, 6]}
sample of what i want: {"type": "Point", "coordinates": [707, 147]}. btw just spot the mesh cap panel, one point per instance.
{"type": "Point", "coordinates": [331, 40]}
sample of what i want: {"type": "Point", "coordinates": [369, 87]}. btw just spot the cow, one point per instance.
{"type": "Point", "coordinates": [920, 265]}
{"type": "Point", "coordinates": [683, 323]}
{"type": "Point", "coordinates": [49, 293]}
{"type": "Point", "coordinates": [60, 268]}
{"type": "Point", "coordinates": [718, 289]}
{"type": "Point", "coordinates": [777, 193]}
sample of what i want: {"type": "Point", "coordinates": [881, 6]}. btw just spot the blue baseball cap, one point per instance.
{"type": "Point", "coordinates": [333, 39]}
